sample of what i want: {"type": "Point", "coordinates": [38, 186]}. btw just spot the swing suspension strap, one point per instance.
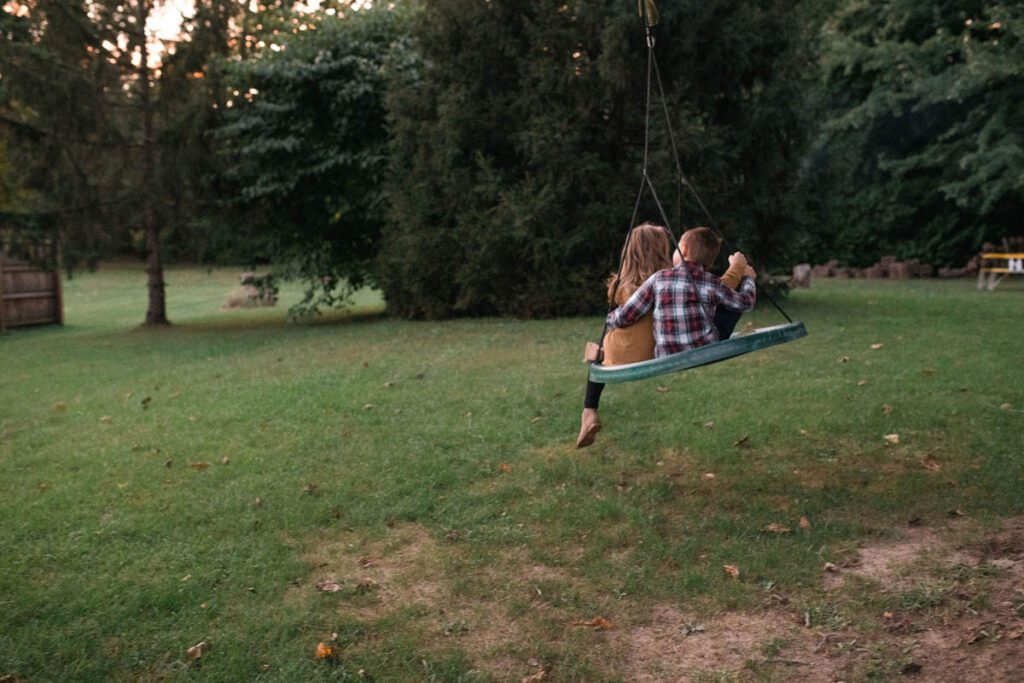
{"type": "Point", "coordinates": [654, 76]}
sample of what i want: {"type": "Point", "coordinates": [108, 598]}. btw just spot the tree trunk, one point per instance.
{"type": "Point", "coordinates": [156, 314]}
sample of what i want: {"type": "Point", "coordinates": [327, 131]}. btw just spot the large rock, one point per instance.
{"type": "Point", "coordinates": [801, 275]}
{"type": "Point", "coordinates": [899, 271]}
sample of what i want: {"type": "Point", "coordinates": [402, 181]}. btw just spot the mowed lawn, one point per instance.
{"type": "Point", "coordinates": [407, 494]}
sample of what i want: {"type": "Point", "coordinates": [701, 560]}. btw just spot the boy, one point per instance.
{"type": "Point", "coordinates": [686, 297]}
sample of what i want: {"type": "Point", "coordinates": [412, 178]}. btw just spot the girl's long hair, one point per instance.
{"type": "Point", "coordinates": [649, 251]}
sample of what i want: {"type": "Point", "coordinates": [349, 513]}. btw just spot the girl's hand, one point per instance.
{"type": "Point", "coordinates": [738, 258]}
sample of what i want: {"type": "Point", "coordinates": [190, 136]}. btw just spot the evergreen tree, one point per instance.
{"type": "Point", "coordinates": [922, 154]}
{"type": "Point", "coordinates": [516, 146]}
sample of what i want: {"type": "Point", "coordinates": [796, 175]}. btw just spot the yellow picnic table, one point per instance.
{"type": "Point", "coordinates": [996, 266]}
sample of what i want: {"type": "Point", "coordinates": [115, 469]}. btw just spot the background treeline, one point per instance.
{"type": "Point", "coordinates": [478, 158]}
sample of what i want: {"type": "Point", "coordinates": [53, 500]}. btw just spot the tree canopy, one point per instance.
{"type": "Point", "coordinates": [922, 154]}
{"type": "Point", "coordinates": [516, 147]}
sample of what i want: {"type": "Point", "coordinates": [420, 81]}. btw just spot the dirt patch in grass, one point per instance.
{"type": "Point", "coordinates": [676, 646]}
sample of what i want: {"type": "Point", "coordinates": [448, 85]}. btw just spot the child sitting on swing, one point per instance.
{"type": "Point", "coordinates": [685, 299]}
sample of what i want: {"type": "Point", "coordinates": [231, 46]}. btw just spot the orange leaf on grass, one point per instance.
{"type": "Point", "coordinates": [324, 651]}
{"type": "Point", "coordinates": [875, 347]}
{"type": "Point", "coordinates": [777, 528]}
{"type": "Point", "coordinates": [199, 465]}
{"type": "Point", "coordinates": [805, 523]}
{"type": "Point", "coordinates": [504, 467]}
{"type": "Point", "coordinates": [61, 407]}
{"type": "Point", "coordinates": [597, 623]}
{"type": "Point", "coordinates": [199, 649]}
{"type": "Point", "coordinates": [731, 570]}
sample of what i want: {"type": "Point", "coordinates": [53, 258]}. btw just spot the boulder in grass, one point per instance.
{"type": "Point", "coordinates": [801, 275]}
{"type": "Point", "coordinates": [876, 272]}
{"type": "Point", "coordinates": [899, 271]}
{"type": "Point", "coordinates": [247, 294]}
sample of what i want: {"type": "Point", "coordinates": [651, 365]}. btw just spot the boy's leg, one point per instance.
{"type": "Point", "coordinates": [725, 321]}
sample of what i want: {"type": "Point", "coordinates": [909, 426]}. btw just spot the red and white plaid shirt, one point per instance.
{"type": "Point", "coordinates": [684, 300]}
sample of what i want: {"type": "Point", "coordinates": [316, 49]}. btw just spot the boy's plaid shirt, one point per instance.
{"type": "Point", "coordinates": [684, 300]}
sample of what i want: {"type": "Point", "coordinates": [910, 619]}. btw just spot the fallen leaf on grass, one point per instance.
{"type": "Point", "coordinates": [861, 383]}
{"type": "Point", "coordinates": [663, 389]}
{"type": "Point", "coordinates": [107, 419]}
{"type": "Point", "coordinates": [193, 418]}
{"type": "Point", "coordinates": [875, 347]}
{"type": "Point", "coordinates": [803, 432]}
{"type": "Point", "coordinates": [887, 615]}
{"type": "Point", "coordinates": [225, 460]}
{"type": "Point", "coordinates": [1016, 635]}
{"type": "Point", "coordinates": [805, 523]}
{"type": "Point", "coordinates": [1005, 406]}
{"type": "Point", "coordinates": [328, 586]}
{"type": "Point", "coordinates": [537, 419]}
{"type": "Point", "coordinates": [742, 442]}
{"type": "Point", "coordinates": [830, 567]}
{"type": "Point", "coordinates": [892, 438]}
{"type": "Point", "coordinates": [453, 535]}
{"type": "Point", "coordinates": [504, 467]}
{"type": "Point", "coordinates": [597, 623]}
{"type": "Point", "coordinates": [60, 407]}
{"type": "Point", "coordinates": [709, 424]}
{"type": "Point", "coordinates": [199, 465]}
{"type": "Point", "coordinates": [928, 462]}
{"type": "Point", "coordinates": [957, 513]}
{"type": "Point", "coordinates": [324, 651]}
{"type": "Point", "coordinates": [368, 406]}
{"type": "Point", "coordinates": [186, 577]}
{"type": "Point", "coordinates": [257, 502]}
{"type": "Point", "coordinates": [366, 584]}
{"type": "Point", "coordinates": [199, 649]}
{"type": "Point", "coordinates": [709, 475]}
{"type": "Point", "coordinates": [539, 676]}
{"type": "Point", "coordinates": [927, 371]}
{"type": "Point", "coordinates": [886, 409]}
{"type": "Point", "coordinates": [777, 528]}
{"type": "Point", "coordinates": [309, 488]}
{"type": "Point", "coordinates": [731, 570]}
{"type": "Point", "coordinates": [145, 402]}
{"type": "Point", "coordinates": [844, 359]}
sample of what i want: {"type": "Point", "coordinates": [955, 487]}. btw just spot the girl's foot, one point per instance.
{"type": "Point", "coordinates": [590, 425]}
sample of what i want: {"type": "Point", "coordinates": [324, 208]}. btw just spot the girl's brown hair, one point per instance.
{"type": "Point", "coordinates": [649, 250]}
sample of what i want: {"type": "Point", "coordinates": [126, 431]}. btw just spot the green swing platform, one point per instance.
{"type": "Point", "coordinates": [761, 338]}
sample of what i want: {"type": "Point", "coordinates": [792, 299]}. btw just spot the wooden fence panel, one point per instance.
{"type": "Point", "coordinates": [29, 295]}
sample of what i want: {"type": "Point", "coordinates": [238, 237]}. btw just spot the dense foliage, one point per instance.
{"type": "Point", "coordinates": [517, 146]}
{"type": "Point", "coordinates": [478, 158]}
{"type": "Point", "coordinates": [306, 147]}
{"type": "Point", "coordinates": [922, 154]}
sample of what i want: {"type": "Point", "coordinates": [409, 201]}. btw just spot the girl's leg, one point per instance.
{"type": "Point", "coordinates": [590, 423]}
{"type": "Point", "coordinates": [593, 397]}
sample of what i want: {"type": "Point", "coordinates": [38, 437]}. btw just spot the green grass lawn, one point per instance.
{"type": "Point", "coordinates": [159, 488]}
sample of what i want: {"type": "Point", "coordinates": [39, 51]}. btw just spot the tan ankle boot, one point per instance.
{"type": "Point", "coordinates": [590, 425]}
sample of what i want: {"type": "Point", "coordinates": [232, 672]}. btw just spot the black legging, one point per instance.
{"type": "Point", "coordinates": [725, 322]}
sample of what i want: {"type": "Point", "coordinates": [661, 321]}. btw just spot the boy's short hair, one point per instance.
{"type": "Point", "coordinates": [702, 245]}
